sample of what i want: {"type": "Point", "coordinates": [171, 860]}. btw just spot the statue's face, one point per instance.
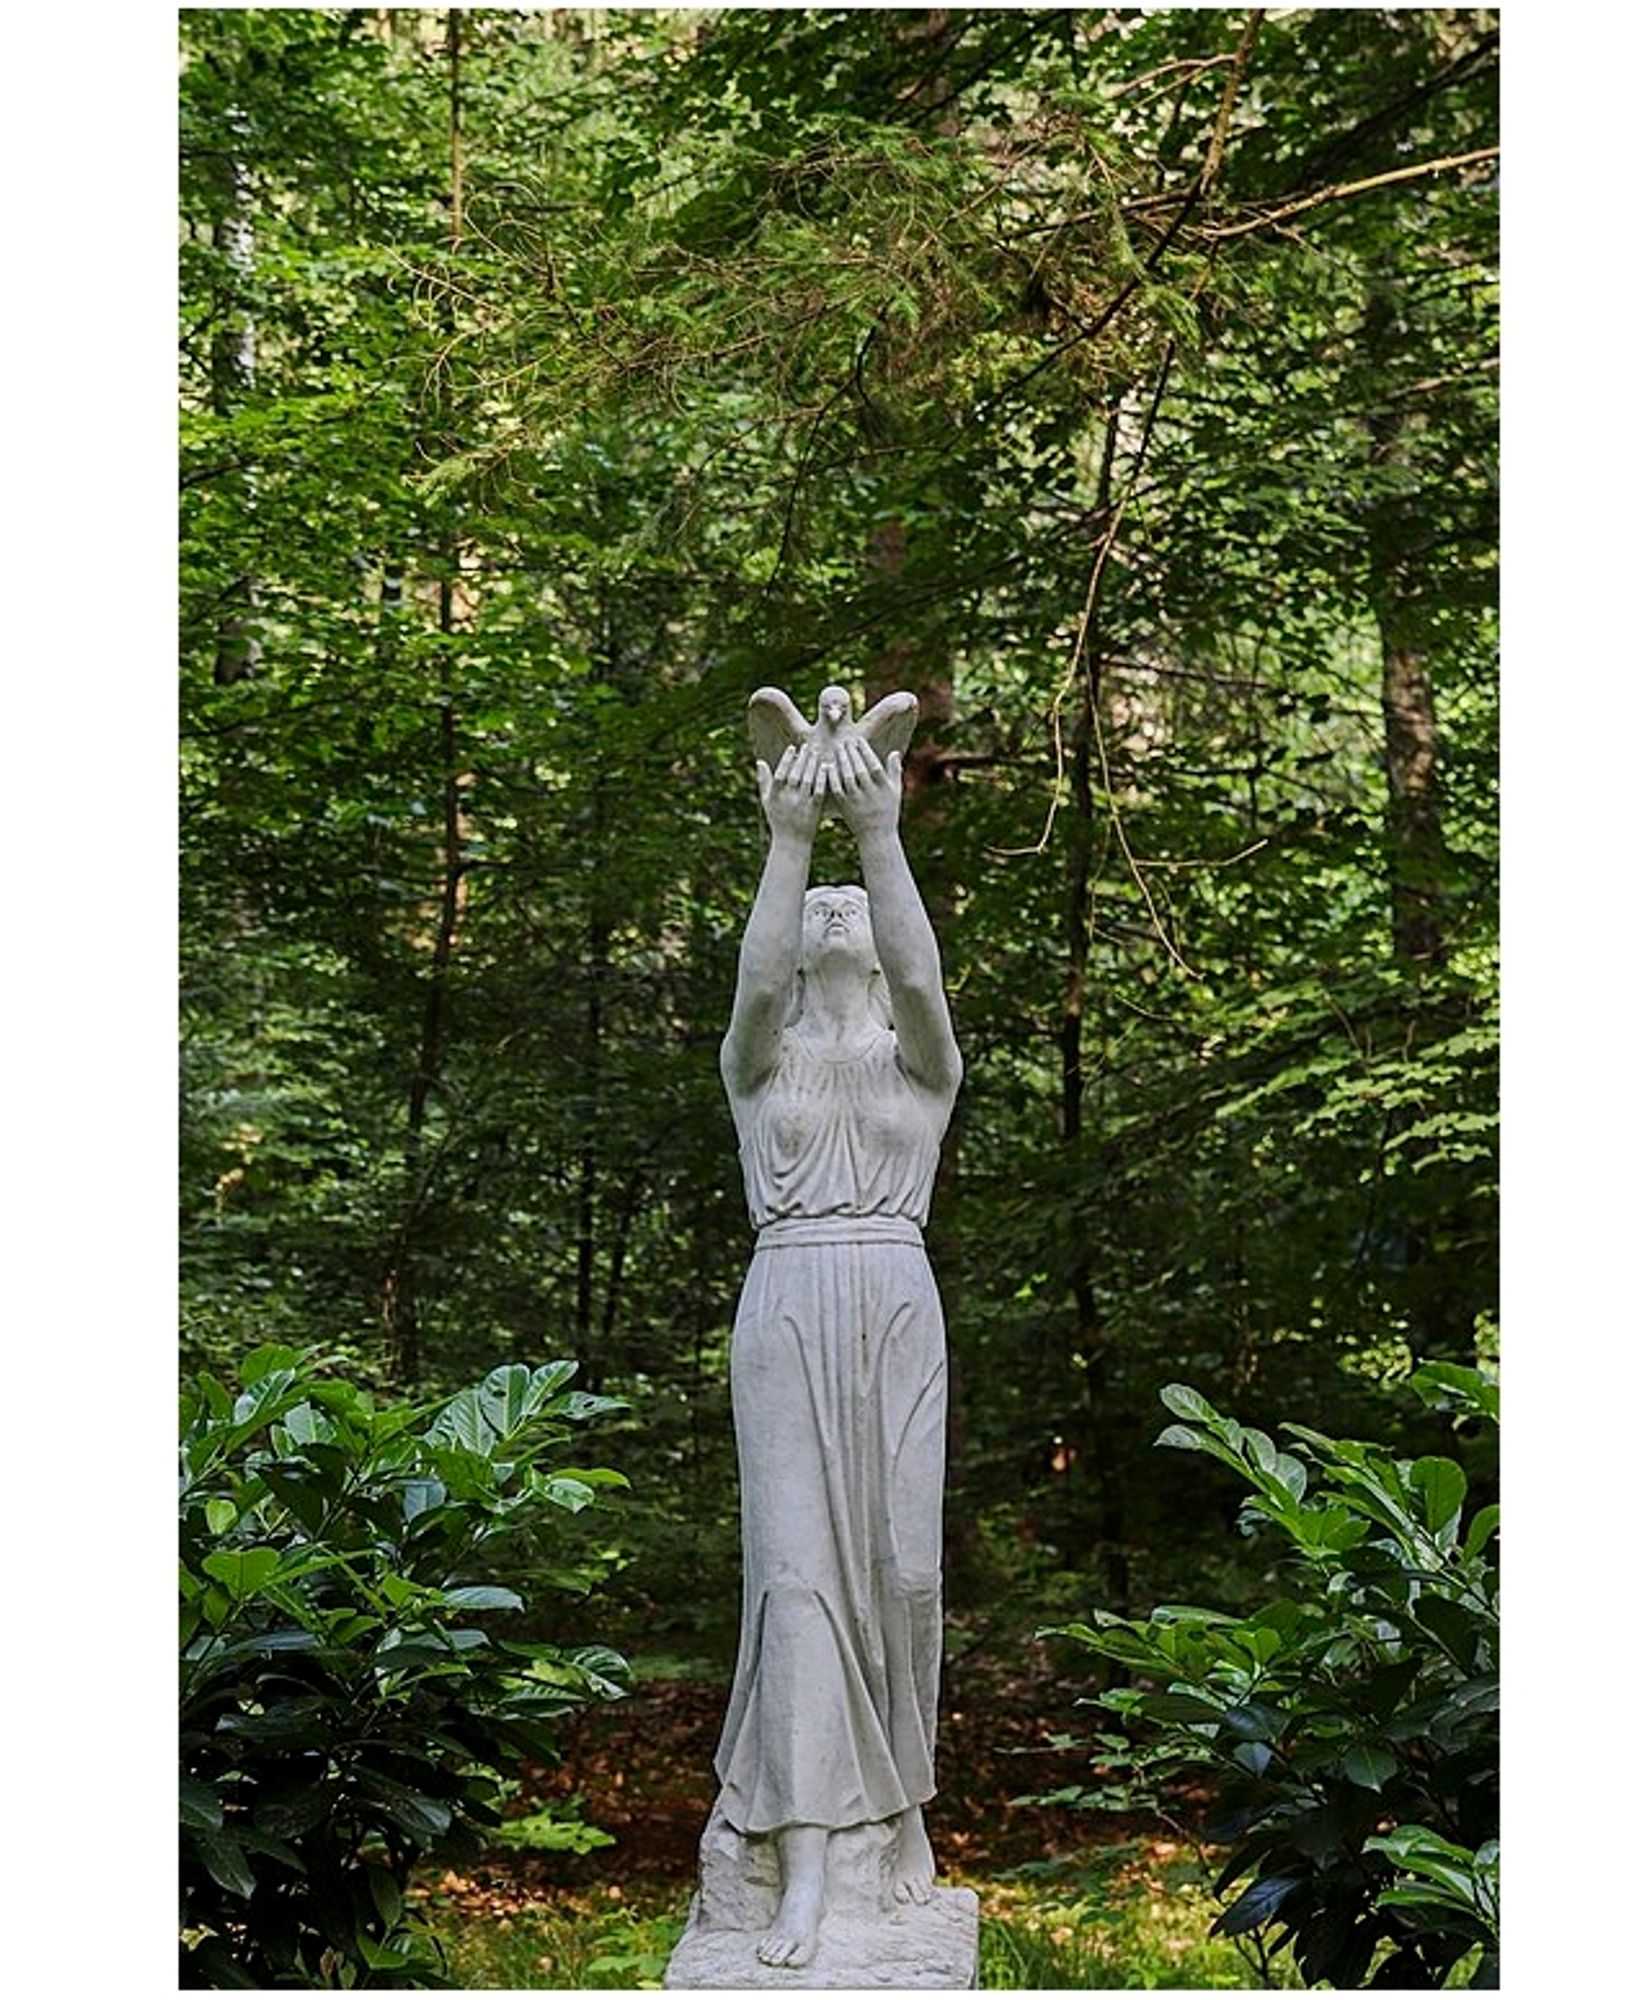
{"type": "Point", "coordinates": [837, 921]}
{"type": "Point", "coordinates": [834, 706]}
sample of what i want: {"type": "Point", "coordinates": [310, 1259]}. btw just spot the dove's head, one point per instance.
{"type": "Point", "coordinates": [834, 706]}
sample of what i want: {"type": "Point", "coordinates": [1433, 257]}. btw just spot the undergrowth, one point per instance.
{"type": "Point", "coordinates": [1128, 1918]}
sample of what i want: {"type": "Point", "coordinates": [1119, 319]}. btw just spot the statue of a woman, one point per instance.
{"type": "Point", "coordinates": [841, 1068]}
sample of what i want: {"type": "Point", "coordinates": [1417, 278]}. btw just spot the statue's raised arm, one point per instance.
{"type": "Point", "coordinates": [869, 796]}
{"type": "Point", "coordinates": [770, 951]}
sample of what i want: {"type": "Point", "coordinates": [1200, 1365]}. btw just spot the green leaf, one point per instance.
{"type": "Point", "coordinates": [387, 1895]}
{"type": "Point", "coordinates": [198, 1806]}
{"type": "Point", "coordinates": [591, 1475]}
{"type": "Point", "coordinates": [243, 1572]}
{"type": "Point", "coordinates": [426, 1819]}
{"type": "Point", "coordinates": [548, 1379]}
{"type": "Point", "coordinates": [1370, 1765]}
{"type": "Point", "coordinates": [1260, 1449]}
{"type": "Point", "coordinates": [304, 1424]}
{"type": "Point", "coordinates": [420, 1496]}
{"type": "Point", "coordinates": [1181, 1401]}
{"type": "Point", "coordinates": [269, 1397]}
{"type": "Point", "coordinates": [552, 1831]}
{"type": "Point", "coordinates": [1457, 1627]}
{"type": "Point", "coordinates": [266, 1360]}
{"type": "Point", "coordinates": [221, 1516]}
{"type": "Point", "coordinates": [505, 1398]}
{"type": "Point", "coordinates": [463, 1421]}
{"type": "Point", "coordinates": [1179, 1438]}
{"type": "Point", "coordinates": [580, 1407]}
{"type": "Point", "coordinates": [481, 1597]}
{"type": "Point", "coordinates": [1257, 1906]}
{"type": "Point", "coordinates": [214, 1396]}
{"type": "Point", "coordinates": [225, 1862]}
{"type": "Point", "coordinates": [1448, 1384]}
{"type": "Point", "coordinates": [304, 1496]}
{"type": "Point", "coordinates": [1441, 1485]}
{"type": "Point", "coordinates": [392, 1957]}
{"type": "Point", "coordinates": [606, 1671]}
{"type": "Point", "coordinates": [1252, 1723]}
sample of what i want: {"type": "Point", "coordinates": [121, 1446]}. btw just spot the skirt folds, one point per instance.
{"type": "Point", "coordinates": [838, 1372]}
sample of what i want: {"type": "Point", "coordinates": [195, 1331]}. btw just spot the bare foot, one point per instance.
{"type": "Point", "coordinates": [914, 1859]}
{"type": "Point", "coordinates": [796, 1928]}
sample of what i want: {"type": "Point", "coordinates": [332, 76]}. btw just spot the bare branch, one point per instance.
{"type": "Point", "coordinates": [1226, 231]}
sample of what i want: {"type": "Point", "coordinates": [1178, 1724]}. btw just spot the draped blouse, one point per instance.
{"type": "Point", "coordinates": [845, 1135]}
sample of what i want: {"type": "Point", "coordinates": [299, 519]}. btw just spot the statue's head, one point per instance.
{"type": "Point", "coordinates": [834, 706]}
{"type": "Point", "coordinates": [837, 933]}
{"type": "Point", "coordinates": [837, 920]}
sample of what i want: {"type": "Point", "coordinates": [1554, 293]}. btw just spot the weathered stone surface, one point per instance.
{"type": "Point", "coordinates": [933, 1944]}
{"type": "Point", "coordinates": [867, 1939]}
{"type": "Point", "coordinates": [740, 1878]}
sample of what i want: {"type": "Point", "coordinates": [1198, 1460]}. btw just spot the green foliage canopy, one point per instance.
{"type": "Point", "coordinates": [1123, 382]}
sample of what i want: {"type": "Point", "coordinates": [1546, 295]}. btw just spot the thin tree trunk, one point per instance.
{"type": "Point", "coordinates": [1416, 851]}
{"type": "Point", "coordinates": [1416, 847]}
{"type": "Point", "coordinates": [399, 1292]}
{"type": "Point", "coordinates": [598, 935]}
{"type": "Point", "coordinates": [400, 1301]}
{"type": "Point", "coordinates": [1096, 1459]}
{"type": "Point", "coordinates": [1081, 845]}
{"type": "Point", "coordinates": [630, 1202]}
{"type": "Point", "coordinates": [455, 127]}
{"type": "Point", "coordinates": [234, 365]}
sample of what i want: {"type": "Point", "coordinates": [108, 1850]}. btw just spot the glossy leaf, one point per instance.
{"type": "Point", "coordinates": [242, 1572]}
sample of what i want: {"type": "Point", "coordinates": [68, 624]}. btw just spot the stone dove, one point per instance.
{"type": "Point", "coordinates": [777, 723]}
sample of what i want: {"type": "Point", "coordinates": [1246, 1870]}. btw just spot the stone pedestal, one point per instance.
{"type": "Point", "coordinates": [867, 1939]}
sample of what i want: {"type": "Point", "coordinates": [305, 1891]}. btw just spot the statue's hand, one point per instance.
{"type": "Point", "coordinates": [867, 788]}
{"type": "Point", "coordinates": [793, 792]}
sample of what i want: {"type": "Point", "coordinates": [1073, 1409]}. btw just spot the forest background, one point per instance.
{"type": "Point", "coordinates": [131, 869]}
{"type": "Point", "coordinates": [1125, 386]}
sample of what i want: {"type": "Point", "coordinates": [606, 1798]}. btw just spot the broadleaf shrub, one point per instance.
{"type": "Point", "coordinates": [344, 1710]}
{"type": "Point", "coordinates": [1348, 1728]}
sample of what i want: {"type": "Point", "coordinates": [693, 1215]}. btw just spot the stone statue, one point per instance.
{"type": "Point", "coordinates": [841, 1070]}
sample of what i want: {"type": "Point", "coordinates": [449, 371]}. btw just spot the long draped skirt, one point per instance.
{"type": "Point", "coordinates": [838, 1371]}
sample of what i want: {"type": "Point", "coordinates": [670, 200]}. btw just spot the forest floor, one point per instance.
{"type": "Point", "coordinates": [1069, 1899]}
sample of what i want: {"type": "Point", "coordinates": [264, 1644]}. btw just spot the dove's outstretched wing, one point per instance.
{"type": "Point", "coordinates": [775, 722]}
{"type": "Point", "coordinates": [889, 724]}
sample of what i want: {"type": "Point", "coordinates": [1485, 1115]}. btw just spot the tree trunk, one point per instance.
{"type": "Point", "coordinates": [599, 931]}
{"type": "Point", "coordinates": [1416, 852]}
{"type": "Point", "coordinates": [234, 364]}
{"type": "Point", "coordinates": [1095, 1459]}
{"type": "Point", "coordinates": [399, 1291]}
{"type": "Point", "coordinates": [1416, 847]}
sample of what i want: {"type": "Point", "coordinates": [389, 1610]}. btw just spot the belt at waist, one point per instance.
{"type": "Point", "coordinates": [804, 1231]}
